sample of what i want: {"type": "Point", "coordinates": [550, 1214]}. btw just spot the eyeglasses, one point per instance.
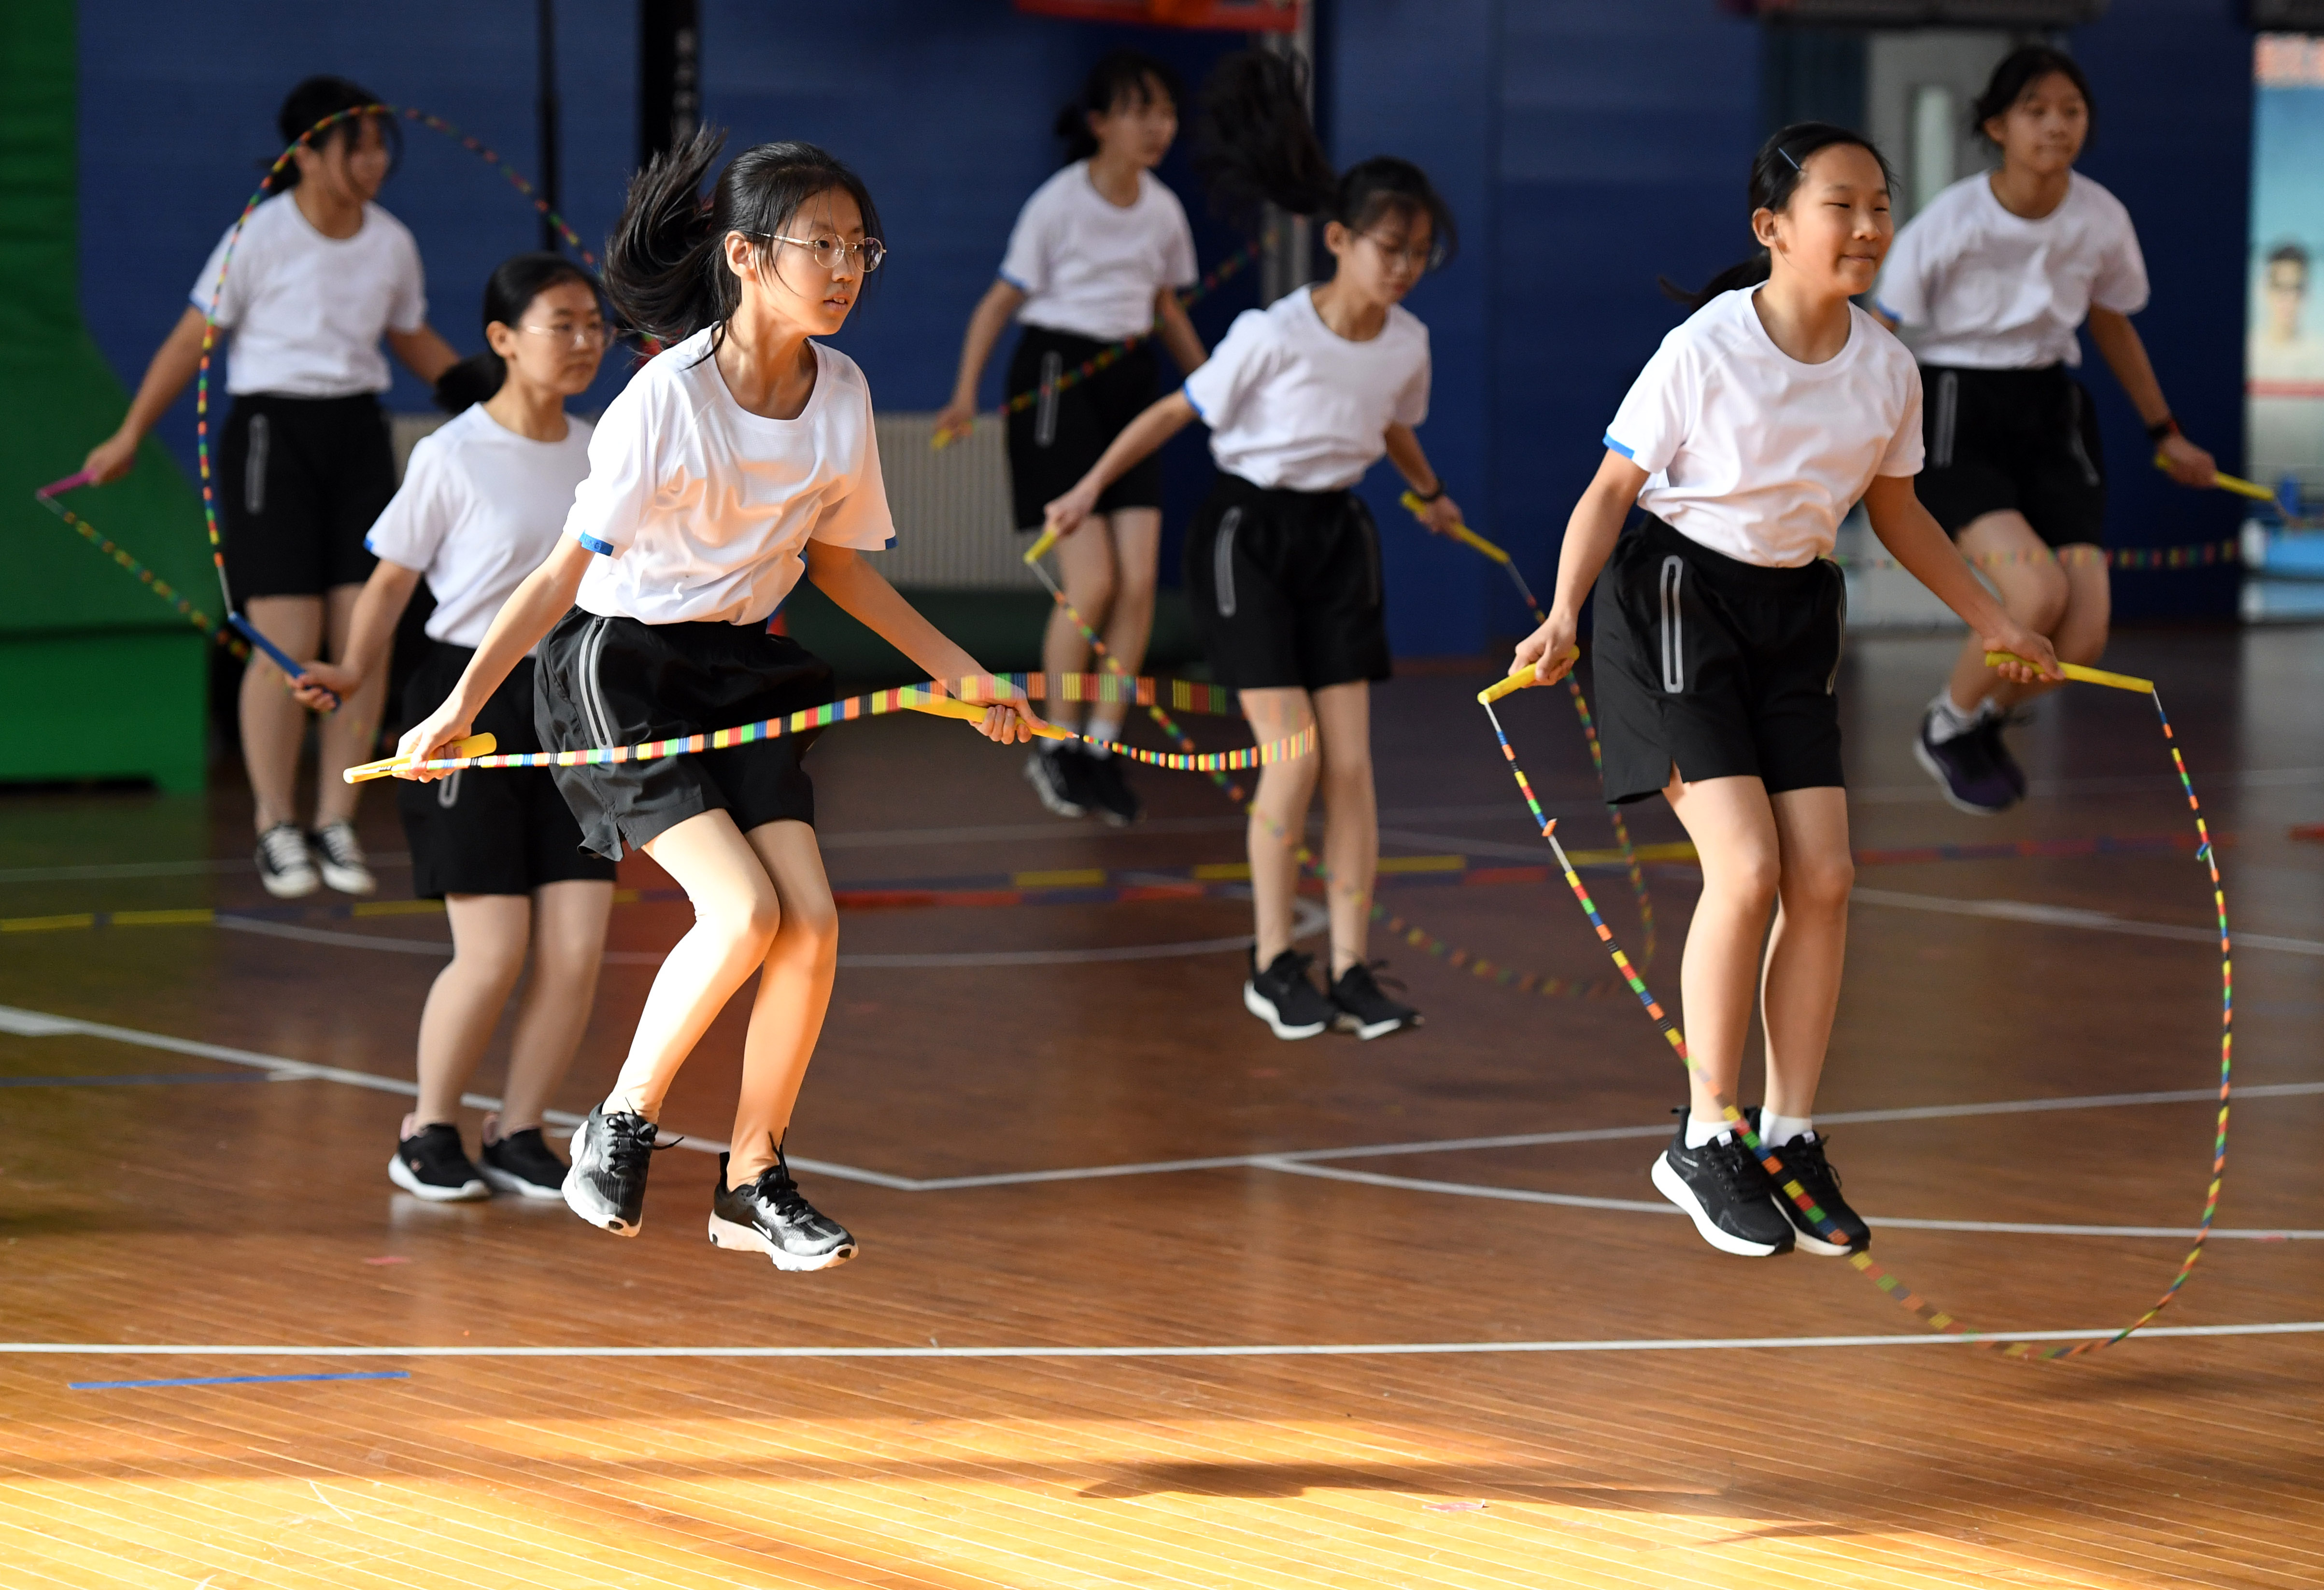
{"type": "Point", "coordinates": [1421, 259]}
{"type": "Point", "coordinates": [586, 334]}
{"type": "Point", "coordinates": [828, 251]}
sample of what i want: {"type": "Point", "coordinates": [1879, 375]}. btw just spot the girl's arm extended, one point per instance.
{"type": "Point", "coordinates": [864, 593]}
{"type": "Point", "coordinates": [370, 634]}
{"type": "Point", "coordinates": [1176, 332]}
{"type": "Point", "coordinates": [530, 611]}
{"type": "Point", "coordinates": [173, 365]}
{"type": "Point", "coordinates": [1165, 418]}
{"type": "Point", "coordinates": [1411, 461]}
{"type": "Point", "coordinates": [1907, 530]}
{"type": "Point", "coordinates": [1590, 537]}
{"type": "Point", "coordinates": [993, 312]}
{"type": "Point", "coordinates": [2126, 356]}
{"type": "Point", "coordinates": [423, 353]}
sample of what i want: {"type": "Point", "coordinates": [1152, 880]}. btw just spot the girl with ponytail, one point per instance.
{"type": "Point", "coordinates": [1763, 419]}
{"type": "Point", "coordinates": [736, 462]}
{"type": "Point", "coordinates": [1283, 561]}
{"type": "Point", "coordinates": [1096, 258]}
{"type": "Point", "coordinates": [480, 506]}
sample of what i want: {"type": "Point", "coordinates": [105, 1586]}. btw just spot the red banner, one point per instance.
{"type": "Point", "coordinates": [1246, 16]}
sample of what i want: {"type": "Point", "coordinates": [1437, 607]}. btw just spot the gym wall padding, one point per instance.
{"type": "Point", "coordinates": [103, 680]}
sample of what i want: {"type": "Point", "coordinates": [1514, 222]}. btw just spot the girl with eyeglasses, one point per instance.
{"type": "Point", "coordinates": [1096, 257]}
{"type": "Point", "coordinates": [736, 462]}
{"type": "Point", "coordinates": [481, 505]}
{"type": "Point", "coordinates": [320, 275]}
{"type": "Point", "coordinates": [1283, 560]}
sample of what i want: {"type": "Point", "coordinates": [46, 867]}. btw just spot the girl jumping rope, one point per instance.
{"type": "Point", "coordinates": [735, 462]}
{"type": "Point", "coordinates": [319, 275]}
{"type": "Point", "coordinates": [480, 508]}
{"type": "Point", "coordinates": [1096, 256]}
{"type": "Point", "coordinates": [1283, 561]}
{"type": "Point", "coordinates": [1996, 274]}
{"type": "Point", "coordinates": [1761, 420]}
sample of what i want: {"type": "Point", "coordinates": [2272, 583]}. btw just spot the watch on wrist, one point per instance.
{"type": "Point", "coordinates": [2162, 430]}
{"type": "Point", "coordinates": [1430, 496]}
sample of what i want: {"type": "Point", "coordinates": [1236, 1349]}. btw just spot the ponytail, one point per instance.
{"type": "Point", "coordinates": [1776, 172]}
{"type": "Point", "coordinates": [508, 292]}
{"type": "Point", "coordinates": [666, 262]}
{"type": "Point", "coordinates": [1119, 79]}
{"type": "Point", "coordinates": [1255, 145]}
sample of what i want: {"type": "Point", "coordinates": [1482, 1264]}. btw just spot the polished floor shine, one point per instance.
{"type": "Point", "coordinates": [1147, 1298]}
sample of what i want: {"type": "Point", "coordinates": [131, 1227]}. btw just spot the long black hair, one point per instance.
{"type": "Point", "coordinates": [1254, 144]}
{"type": "Point", "coordinates": [666, 262]}
{"type": "Point", "coordinates": [509, 291]}
{"type": "Point", "coordinates": [1776, 173]}
{"type": "Point", "coordinates": [311, 102]}
{"type": "Point", "coordinates": [1120, 77]}
{"type": "Point", "coordinates": [2019, 70]}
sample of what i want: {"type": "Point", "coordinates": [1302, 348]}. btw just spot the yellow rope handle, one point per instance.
{"type": "Point", "coordinates": [2228, 483]}
{"type": "Point", "coordinates": [974, 711]}
{"type": "Point", "coordinates": [2075, 670]}
{"type": "Point", "coordinates": [1040, 549]}
{"type": "Point", "coordinates": [1521, 677]}
{"type": "Point", "coordinates": [384, 768]}
{"type": "Point", "coordinates": [1460, 532]}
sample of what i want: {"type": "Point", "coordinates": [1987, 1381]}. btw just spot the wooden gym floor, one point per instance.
{"type": "Point", "coordinates": [1054, 1128]}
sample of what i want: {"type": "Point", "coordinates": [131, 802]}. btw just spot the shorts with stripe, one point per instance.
{"type": "Point", "coordinates": [617, 681]}
{"type": "Point", "coordinates": [1053, 440]}
{"type": "Point", "coordinates": [1710, 668]}
{"type": "Point", "coordinates": [2012, 440]}
{"type": "Point", "coordinates": [300, 481]}
{"type": "Point", "coordinates": [1285, 585]}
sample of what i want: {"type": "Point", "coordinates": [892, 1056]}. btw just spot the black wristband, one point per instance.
{"type": "Point", "coordinates": [2163, 428]}
{"type": "Point", "coordinates": [1432, 496]}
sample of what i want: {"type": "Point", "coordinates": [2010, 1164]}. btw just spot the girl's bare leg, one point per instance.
{"type": "Point", "coordinates": [2004, 547]}
{"type": "Point", "coordinates": [794, 993]}
{"type": "Point", "coordinates": [569, 941]}
{"type": "Point", "coordinates": [489, 937]}
{"type": "Point", "coordinates": [350, 734]}
{"type": "Point", "coordinates": [1350, 817]}
{"type": "Point", "coordinates": [1085, 565]}
{"type": "Point", "coordinates": [273, 726]}
{"type": "Point", "coordinates": [1733, 827]}
{"type": "Point", "coordinates": [1799, 986]}
{"type": "Point", "coordinates": [1136, 538]}
{"type": "Point", "coordinates": [1278, 819]}
{"type": "Point", "coordinates": [2080, 630]}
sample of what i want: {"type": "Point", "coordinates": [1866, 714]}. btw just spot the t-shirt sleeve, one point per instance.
{"type": "Point", "coordinates": [1651, 423]}
{"type": "Point", "coordinates": [1242, 360]}
{"type": "Point", "coordinates": [410, 529]}
{"type": "Point", "coordinates": [1905, 455]}
{"type": "Point", "coordinates": [1903, 291]}
{"type": "Point", "coordinates": [2120, 284]}
{"type": "Point", "coordinates": [407, 304]}
{"type": "Point", "coordinates": [1179, 266]}
{"type": "Point", "coordinates": [235, 293]}
{"type": "Point", "coordinates": [1025, 265]}
{"type": "Point", "coordinates": [1412, 398]}
{"type": "Point", "coordinates": [860, 519]}
{"type": "Point", "coordinates": [611, 500]}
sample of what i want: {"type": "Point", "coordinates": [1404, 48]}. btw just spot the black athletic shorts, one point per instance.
{"type": "Point", "coordinates": [615, 681]}
{"type": "Point", "coordinates": [2012, 439]}
{"type": "Point", "coordinates": [300, 481]}
{"type": "Point", "coordinates": [500, 830]}
{"type": "Point", "coordinates": [1718, 668]}
{"type": "Point", "coordinates": [1053, 440]}
{"type": "Point", "coordinates": [1285, 585]}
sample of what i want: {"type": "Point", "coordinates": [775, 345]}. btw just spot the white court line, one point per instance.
{"type": "Point", "coordinates": [1232, 1350]}
{"type": "Point", "coordinates": [2059, 916]}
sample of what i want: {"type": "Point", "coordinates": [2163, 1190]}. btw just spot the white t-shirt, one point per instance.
{"type": "Point", "coordinates": [700, 509]}
{"type": "Point", "coordinates": [1756, 454]}
{"type": "Point", "coordinates": [1996, 291]}
{"type": "Point", "coordinates": [1088, 266]}
{"type": "Point", "coordinates": [1291, 402]}
{"type": "Point", "coordinates": [306, 312]}
{"type": "Point", "coordinates": [479, 509]}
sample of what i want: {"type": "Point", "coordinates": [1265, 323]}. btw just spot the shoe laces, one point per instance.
{"type": "Point", "coordinates": [778, 1191]}
{"type": "Point", "coordinates": [339, 843]}
{"type": "Point", "coordinates": [1741, 1174]}
{"type": "Point", "coordinates": [1365, 978]}
{"type": "Point", "coordinates": [285, 847]}
{"type": "Point", "coordinates": [632, 1144]}
{"type": "Point", "coordinates": [1804, 1158]}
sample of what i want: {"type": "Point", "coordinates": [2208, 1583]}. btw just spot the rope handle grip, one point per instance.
{"type": "Point", "coordinates": [474, 746]}
{"type": "Point", "coordinates": [2075, 670]}
{"type": "Point", "coordinates": [1040, 549]}
{"type": "Point", "coordinates": [974, 711]}
{"type": "Point", "coordinates": [1520, 678]}
{"type": "Point", "coordinates": [59, 488]}
{"type": "Point", "coordinates": [2228, 483]}
{"type": "Point", "coordinates": [1458, 532]}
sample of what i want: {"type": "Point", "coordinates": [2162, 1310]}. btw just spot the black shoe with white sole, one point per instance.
{"type": "Point", "coordinates": [606, 1186]}
{"type": "Point", "coordinates": [1363, 1010]}
{"type": "Point", "coordinates": [430, 1164]}
{"type": "Point", "coordinates": [1286, 998]}
{"type": "Point", "coordinates": [1997, 749]}
{"type": "Point", "coordinates": [1964, 768]}
{"type": "Point", "coordinates": [1056, 777]}
{"type": "Point", "coordinates": [340, 854]}
{"type": "Point", "coordinates": [1804, 1165]}
{"type": "Point", "coordinates": [1106, 786]}
{"type": "Point", "coordinates": [286, 868]}
{"type": "Point", "coordinates": [1724, 1189]}
{"type": "Point", "coordinates": [522, 1163]}
{"type": "Point", "coordinates": [769, 1215]}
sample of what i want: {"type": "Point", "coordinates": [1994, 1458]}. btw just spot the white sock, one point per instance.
{"type": "Point", "coordinates": [1947, 721]}
{"type": "Point", "coordinates": [1702, 1130]}
{"type": "Point", "coordinates": [1102, 728]}
{"type": "Point", "coordinates": [1775, 1130]}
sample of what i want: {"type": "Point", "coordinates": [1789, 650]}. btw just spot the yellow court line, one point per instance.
{"type": "Point", "coordinates": [1223, 872]}
{"type": "Point", "coordinates": [1064, 878]}
{"type": "Point", "coordinates": [47, 924]}
{"type": "Point", "coordinates": [190, 916]}
{"type": "Point", "coordinates": [396, 907]}
{"type": "Point", "coordinates": [1422, 864]}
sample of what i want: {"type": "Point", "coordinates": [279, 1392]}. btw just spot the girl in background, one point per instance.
{"type": "Point", "coordinates": [737, 460]}
{"type": "Point", "coordinates": [1283, 561]}
{"type": "Point", "coordinates": [1761, 420]}
{"type": "Point", "coordinates": [1997, 273]}
{"type": "Point", "coordinates": [1096, 256]}
{"type": "Point", "coordinates": [481, 506]}
{"type": "Point", "coordinates": [320, 274]}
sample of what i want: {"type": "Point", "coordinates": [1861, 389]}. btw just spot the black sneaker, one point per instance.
{"type": "Point", "coordinates": [1363, 1009]}
{"type": "Point", "coordinates": [1989, 724]}
{"type": "Point", "coordinates": [1964, 768]}
{"type": "Point", "coordinates": [1107, 789]}
{"type": "Point", "coordinates": [606, 1186]}
{"type": "Point", "coordinates": [1725, 1191]}
{"type": "Point", "coordinates": [430, 1164]}
{"type": "Point", "coordinates": [1284, 998]}
{"type": "Point", "coordinates": [521, 1163]}
{"type": "Point", "coordinates": [340, 853]}
{"type": "Point", "coordinates": [771, 1215]}
{"type": "Point", "coordinates": [1055, 777]}
{"type": "Point", "coordinates": [285, 865]}
{"type": "Point", "coordinates": [1804, 1164]}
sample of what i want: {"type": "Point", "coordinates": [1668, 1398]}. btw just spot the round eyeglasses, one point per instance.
{"type": "Point", "coordinates": [828, 251]}
{"type": "Point", "coordinates": [586, 334]}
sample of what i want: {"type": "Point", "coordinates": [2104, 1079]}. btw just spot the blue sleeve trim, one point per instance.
{"type": "Point", "coordinates": [1024, 287]}
{"type": "Point", "coordinates": [603, 549]}
{"type": "Point", "coordinates": [1885, 309]}
{"type": "Point", "coordinates": [1186, 390]}
{"type": "Point", "coordinates": [1619, 447]}
{"type": "Point", "coordinates": [888, 545]}
{"type": "Point", "coordinates": [369, 546]}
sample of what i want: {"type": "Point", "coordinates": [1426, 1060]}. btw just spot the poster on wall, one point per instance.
{"type": "Point", "coordinates": [2283, 359]}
